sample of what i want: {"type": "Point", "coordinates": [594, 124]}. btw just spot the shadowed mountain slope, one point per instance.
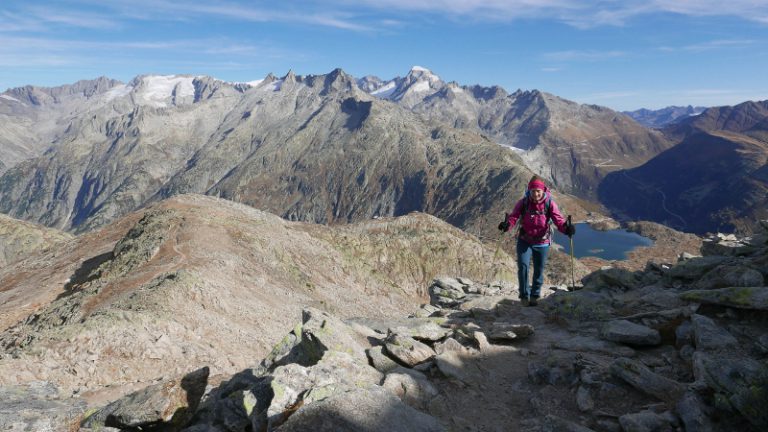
{"type": "Point", "coordinates": [716, 179]}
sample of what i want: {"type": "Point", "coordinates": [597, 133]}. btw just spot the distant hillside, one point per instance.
{"type": "Point", "coordinates": [664, 116]}
{"type": "Point", "coordinates": [715, 179]}
{"type": "Point", "coordinates": [19, 239]}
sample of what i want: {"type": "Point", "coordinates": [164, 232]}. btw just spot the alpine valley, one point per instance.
{"type": "Point", "coordinates": [319, 252]}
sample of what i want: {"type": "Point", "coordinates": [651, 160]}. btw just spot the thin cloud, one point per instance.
{"type": "Point", "coordinates": [581, 55]}
{"type": "Point", "coordinates": [583, 14]}
{"type": "Point", "coordinates": [168, 10]}
{"type": "Point", "coordinates": [551, 69]}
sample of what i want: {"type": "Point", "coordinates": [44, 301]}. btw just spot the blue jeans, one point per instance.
{"type": "Point", "coordinates": [524, 252]}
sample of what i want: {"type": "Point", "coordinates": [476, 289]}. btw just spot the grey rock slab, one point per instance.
{"type": "Point", "coordinates": [741, 380]}
{"type": "Point", "coordinates": [592, 344]}
{"type": "Point", "coordinates": [738, 297]}
{"type": "Point", "coordinates": [554, 423]}
{"type": "Point", "coordinates": [684, 334]}
{"type": "Point", "coordinates": [422, 329]}
{"type": "Point", "coordinates": [448, 283]}
{"type": "Point", "coordinates": [627, 332]}
{"type": "Point", "coordinates": [647, 421]}
{"type": "Point", "coordinates": [453, 365]}
{"type": "Point", "coordinates": [408, 350]}
{"type": "Point", "coordinates": [339, 369]}
{"type": "Point", "coordinates": [321, 331]}
{"type": "Point", "coordinates": [509, 331]}
{"type": "Point", "coordinates": [411, 386]}
{"type": "Point", "coordinates": [731, 276]}
{"type": "Point", "coordinates": [639, 376]}
{"type": "Point", "coordinates": [694, 413]}
{"type": "Point", "coordinates": [36, 407]}
{"type": "Point", "coordinates": [172, 403]}
{"type": "Point", "coordinates": [708, 336]}
{"type": "Point", "coordinates": [693, 269]}
{"type": "Point", "coordinates": [584, 399]}
{"type": "Point", "coordinates": [381, 361]}
{"type": "Point", "coordinates": [371, 409]}
{"type": "Point", "coordinates": [450, 344]}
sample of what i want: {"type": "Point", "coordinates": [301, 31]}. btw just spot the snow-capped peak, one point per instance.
{"type": "Point", "coordinates": [422, 72]}
{"type": "Point", "coordinates": [159, 90]}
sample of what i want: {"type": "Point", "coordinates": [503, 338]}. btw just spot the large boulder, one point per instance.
{"type": "Point", "coordinates": [627, 332]}
{"type": "Point", "coordinates": [335, 372]}
{"type": "Point", "coordinates": [37, 407]}
{"type": "Point", "coordinates": [170, 404]}
{"type": "Point", "coordinates": [737, 297]}
{"type": "Point", "coordinates": [640, 377]}
{"type": "Point", "coordinates": [708, 336]}
{"type": "Point", "coordinates": [741, 383]}
{"type": "Point", "coordinates": [408, 350]}
{"type": "Point", "coordinates": [369, 409]}
{"type": "Point", "coordinates": [731, 276]}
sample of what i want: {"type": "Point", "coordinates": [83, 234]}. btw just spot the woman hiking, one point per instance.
{"type": "Point", "coordinates": [534, 212]}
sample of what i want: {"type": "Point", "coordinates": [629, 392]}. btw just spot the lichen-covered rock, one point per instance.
{"type": "Point", "coordinates": [627, 332]}
{"type": "Point", "coordinates": [731, 276]}
{"type": "Point", "coordinates": [741, 382]}
{"type": "Point", "coordinates": [738, 297]}
{"type": "Point", "coordinates": [408, 350]}
{"type": "Point", "coordinates": [338, 369]}
{"type": "Point", "coordinates": [381, 361]}
{"type": "Point", "coordinates": [612, 277]}
{"type": "Point", "coordinates": [509, 331]}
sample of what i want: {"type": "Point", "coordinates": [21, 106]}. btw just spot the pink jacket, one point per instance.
{"type": "Point", "coordinates": [534, 228]}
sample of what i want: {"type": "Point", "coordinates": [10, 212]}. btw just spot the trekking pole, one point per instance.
{"type": "Point", "coordinates": [573, 279]}
{"type": "Point", "coordinates": [496, 254]}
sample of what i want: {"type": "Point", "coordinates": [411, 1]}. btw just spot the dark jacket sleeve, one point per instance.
{"type": "Point", "coordinates": [557, 218]}
{"type": "Point", "coordinates": [513, 217]}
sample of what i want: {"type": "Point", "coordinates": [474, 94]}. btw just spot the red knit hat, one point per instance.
{"type": "Point", "coordinates": [537, 184]}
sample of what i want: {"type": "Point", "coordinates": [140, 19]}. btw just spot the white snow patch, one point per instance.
{"type": "Point", "coordinates": [255, 82]}
{"type": "Point", "coordinates": [274, 85]}
{"type": "Point", "coordinates": [431, 76]}
{"type": "Point", "coordinates": [420, 86]}
{"type": "Point", "coordinates": [10, 98]}
{"type": "Point", "coordinates": [158, 89]}
{"type": "Point", "coordinates": [117, 92]}
{"type": "Point", "coordinates": [385, 91]}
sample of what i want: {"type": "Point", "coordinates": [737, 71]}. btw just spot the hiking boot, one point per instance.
{"type": "Point", "coordinates": [533, 302]}
{"type": "Point", "coordinates": [524, 302]}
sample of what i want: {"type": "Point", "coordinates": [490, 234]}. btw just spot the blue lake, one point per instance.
{"type": "Point", "coordinates": [609, 245]}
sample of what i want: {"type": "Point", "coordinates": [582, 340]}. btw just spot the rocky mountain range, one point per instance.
{"type": "Point", "coordinates": [574, 145]}
{"type": "Point", "coordinates": [327, 148]}
{"type": "Point", "coordinates": [310, 148]}
{"type": "Point", "coordinates": [157, 322]}
{"type": "Point", "coordinates": [662, 117]}
{"type": "Point", "coordinates": [715, 179]}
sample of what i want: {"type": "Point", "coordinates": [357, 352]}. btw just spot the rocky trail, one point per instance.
{"type": "Point", "coordinates": [678, 347]}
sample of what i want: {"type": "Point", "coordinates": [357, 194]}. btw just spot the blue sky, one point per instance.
{"type": "Point", "coordinates": [623, 54]}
